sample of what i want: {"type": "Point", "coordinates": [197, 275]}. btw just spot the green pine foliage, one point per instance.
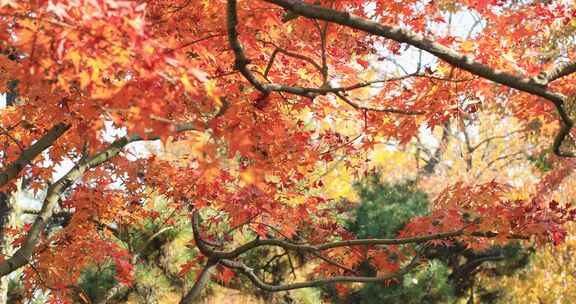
{"type": "Point", "coordinates": [383, 211]}
{"type": "Point", "coordinates": [385, 208]}
{"type": "Point", "coordinates": [428, 285]}
{"type": "Point", "coordinates": [448, 276]}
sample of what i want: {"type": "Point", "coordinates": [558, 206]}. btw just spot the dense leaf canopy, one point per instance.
{"type": "Point", "coordinates": [237, 114]}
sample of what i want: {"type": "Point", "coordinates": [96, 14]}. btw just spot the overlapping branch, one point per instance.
{"type": "Point", "coordinates": [308, 248]}
{"type": "Point", "coordinates": [533, 85]}
{"type": "Point", "coordinates": [249, 272]}
{"type": "Point", "coordinates": [289, 54]}
{"type": "Point", "coordinates": [405, 36]}
{"type": "Point", "coordinates": [201, 281]}
{"type": "Point", "coordinates": [489, 139]}
{"type": "Point", "coordinates": [23, 255]}
{"type": "Point", "coordinates": [434, 157]}
{"type": "Point", "coordinates": [241, 64]}
{"type": "Point", "coordinates": [29, 154]}
{"type": "Point", "coordinates": [228, 258]}
{"type": "Point", "coordinates": [556, 72]}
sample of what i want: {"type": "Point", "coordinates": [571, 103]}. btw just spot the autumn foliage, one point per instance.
{"type": "Point", "coordinates": [235, 113]}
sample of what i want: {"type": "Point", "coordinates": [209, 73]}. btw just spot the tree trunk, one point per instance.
{"type": "Point", "coordinates": [7, 219]}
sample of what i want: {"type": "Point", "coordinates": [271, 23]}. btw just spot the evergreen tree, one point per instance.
{"type": "Point", "coordinates": [383, 211]}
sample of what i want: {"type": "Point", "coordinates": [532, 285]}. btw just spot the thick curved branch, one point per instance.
{"type": "Point", "coordinates": [205, 248]}
{"type": "Point", "coordinates": [558, 71]}
{"type": "Point", "coordinates": [22, 256]}
{"type": "Point", "coordinates": [249, 272]}
{"type": "Point", "coordinates": [29, 154]}
{"type": "Point", "coordinates": [225, 258]}
{"type": "Point", "coordinates": [405, 36]}
{"type": "Point", "coordinates": [532, 85]}
{"type": "Point", "coordinates": [241, 61]}
{"type": "Point", "coordinates": [241, 64]}
{"type": "Point", "coordinates": [201, 281]}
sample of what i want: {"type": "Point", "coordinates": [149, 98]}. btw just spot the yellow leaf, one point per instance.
{"type": "Point", "coordinates": [187, 84]}
{"type": "Point", "coordinates": [210, 86]}
{"type": "Point", "coordinates": [84, 79]}
{"type": "Point", "coordinates": [95, 65]}
{"type": "Point", "coordinates": [210, 173]}
{"type": "Point", "coordinates": [467, 46]}
{"type": "Point", "coordinates": [248, 176]}
{"type": "Point", "coordinates": [75, 58]}
{"type": "Point", "coordinates": [509, 56]}
{"type": "Point", "coordinates": [444, 69]}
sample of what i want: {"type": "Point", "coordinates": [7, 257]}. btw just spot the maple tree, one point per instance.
{"type": "Point", "coordinates": [258, 96]}
{"type": "Point", "coordinates": [550, 271]}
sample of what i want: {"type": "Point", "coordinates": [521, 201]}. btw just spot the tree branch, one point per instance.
{"type": "Point", "coordinates": [289, 54]}
{"type": "Point", "coordinates": [492, 162]}
{"type": "Point", "coordinates": [405, 36]}
{"type": "Point", "coordinates": [113, 292]}
{"type": "Point", "coordinates": [148, 242]}
{"type": "Point", "coordinates": [29, 154]}
{"type": "Point", "coordinates": [334, 263]}
{"type": "Point", "coordinates": [22, 256]}
{"type": "Point", "coordinates": [225, 258]}
{"type": "Point", "coordinates": [201, 281]}
{"type": "Point", "coordinates": [532, 85]}
{"type": "Point", "coordinates": [249, 272]}
{"type": "Point", "coordinates": [489, 139]}
{"type": "Point", "coordinates": [434, 159]}
{"type": "Point", "coordinates": [270, 63]}
{"type": "Point", "coordinates": [383, 110]}
{"type": "Point", "coordinates": [299, 247]}
{"type": "Point", "coordinates": [558, 71]}
{"type": "Point", "coordinates": [241, 62]}
{"type": "Point", "coordinates": [322, 32]}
